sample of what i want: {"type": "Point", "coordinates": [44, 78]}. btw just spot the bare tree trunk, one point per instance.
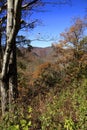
{"type": "Point", "coordinates": [4, 101]}
{"type": "Point", "coordinates": [5, 76]}
{"type": "Point", "coordinates": [9, 68]}
{"type": "Point", "coordinates": [0, 52]}
{"type": "Point", "coordinates": [13, 90]}
{"type": "Point", "coordinates": [1, 55]}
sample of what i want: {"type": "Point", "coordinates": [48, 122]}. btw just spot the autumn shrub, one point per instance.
{"type": "Point", "coordinates": [45, 77]}
{"type": "Point", "coordinates": [76, 71]}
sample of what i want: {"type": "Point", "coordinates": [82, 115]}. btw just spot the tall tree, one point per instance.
{"type": "Point", "coordinates": [13, 26]}
{"type": "Point", "coordinates": [14, 10]}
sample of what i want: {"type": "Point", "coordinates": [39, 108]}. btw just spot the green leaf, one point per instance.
{"type": "Point", "coordinates": [26, 128]}
{"type": "Point", "coordinates": [29, 124]}
{"type": "Point", "coordinates": [23, 122]}
{"type": "Point", "coordinates": [15, 127]}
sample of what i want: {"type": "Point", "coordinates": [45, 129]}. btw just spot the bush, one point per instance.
{"type": "Point", "coordinates": [45, 75]}
{"type": "Point", "coordinates": [66, 111]}
{"type": "Point", "coordinates": [17, 120]}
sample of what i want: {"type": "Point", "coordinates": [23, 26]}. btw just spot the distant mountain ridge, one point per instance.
{"type": "Point", "coordinates": [42, 52]}
{"type": "Point", "coordinates": [38, 53]}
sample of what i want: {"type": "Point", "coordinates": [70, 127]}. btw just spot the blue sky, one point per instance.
{"type": "Point", "coordinates": [54, 21]}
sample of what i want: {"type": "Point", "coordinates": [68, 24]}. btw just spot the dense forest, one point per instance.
{"type": "Point", "coordinates": [42, 88]}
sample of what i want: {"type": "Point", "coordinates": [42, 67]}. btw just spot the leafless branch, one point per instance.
{"type": "Point", "coordinates": [29, 4]}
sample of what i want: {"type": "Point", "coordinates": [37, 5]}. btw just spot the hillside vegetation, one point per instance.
{"type": "Point", "coordinates": [52, 85]}
{"type": "Point", "coordinates": [52, 95]}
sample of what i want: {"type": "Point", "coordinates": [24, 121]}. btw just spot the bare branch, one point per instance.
{"type": "Point", "coordinates": [29, 4]}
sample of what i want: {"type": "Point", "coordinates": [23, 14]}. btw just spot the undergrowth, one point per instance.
{"type": "Point", "coordinates": [66, 111]}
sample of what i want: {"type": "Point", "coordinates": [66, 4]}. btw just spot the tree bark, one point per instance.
{"type": "Point", "coordinates": [4, 101]}
{"type": "Point", "coordinates": [4, 77]}
{"type": "Point", "coordinates": [9, 74]}
{"type": "Point", "coordinates": [0, 44]}
{"type": "Point", "coordinates": [13, 90]}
